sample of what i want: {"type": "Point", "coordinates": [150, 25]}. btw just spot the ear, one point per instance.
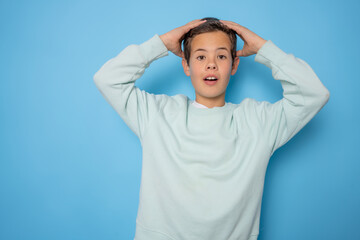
{"type": "Point", "coordinates": [186, 67]}
{"type": "Point", "coordinates": [235, 65]}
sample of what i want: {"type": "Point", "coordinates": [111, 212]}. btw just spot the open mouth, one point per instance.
{"type": "Point", "coordinates": [210, 80]}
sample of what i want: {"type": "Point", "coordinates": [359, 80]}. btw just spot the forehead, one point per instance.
{"type": "Point", "coordinates": [210, 41]}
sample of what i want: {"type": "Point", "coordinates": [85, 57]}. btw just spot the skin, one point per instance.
{"type": "Point", "coordinates": [211, 60]}
{"type": "Point", "coordinates": [210, 54]}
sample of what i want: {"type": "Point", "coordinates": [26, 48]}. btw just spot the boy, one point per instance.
{"type": "Point", "coordinates": [204, 161]}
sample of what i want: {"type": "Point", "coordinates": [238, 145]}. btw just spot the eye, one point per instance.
{"type": "Point", "coordinates": [201, 57]}
{"type": "Point", "coordinates": [222, 56]}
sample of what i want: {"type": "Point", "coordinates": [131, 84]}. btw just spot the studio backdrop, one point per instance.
{"type": "Point", "coordinates": [70, 168]}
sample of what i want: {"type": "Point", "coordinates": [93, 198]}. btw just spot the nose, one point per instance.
{"type": "Point", "coordinates": [211, 65]}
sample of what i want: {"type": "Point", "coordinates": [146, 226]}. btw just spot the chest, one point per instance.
{"type": "Point", "coordinates": [210, 140]}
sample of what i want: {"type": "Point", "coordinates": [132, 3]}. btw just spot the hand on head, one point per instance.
{"type": "Point", "coordinates": [252, 42]}
{"type": "Point", "coordinates": [172, 39]}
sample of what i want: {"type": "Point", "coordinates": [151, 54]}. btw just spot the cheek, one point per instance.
{"type": "Point", "coordinates": [227, 67]}
{"type": "Point", "coordinates": [194, 69]}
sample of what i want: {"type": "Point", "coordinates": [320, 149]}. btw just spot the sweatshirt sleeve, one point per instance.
{"type": "Point", "coordinates": [303, 95]}
{"type": "Point", "coordinates": [116, 79]}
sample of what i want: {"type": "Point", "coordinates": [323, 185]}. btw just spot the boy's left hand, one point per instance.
{"type": "Point", "coordinates": [252, 42]}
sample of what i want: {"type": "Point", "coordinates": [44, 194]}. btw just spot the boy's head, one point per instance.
{"type": "Point", "coordinates": [209, 60]}
{"type": "Point", "coordinates": [211, 25]}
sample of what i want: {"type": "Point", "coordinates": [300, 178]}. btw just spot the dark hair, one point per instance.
{"type": "Point", "coordinates": [211, 25]}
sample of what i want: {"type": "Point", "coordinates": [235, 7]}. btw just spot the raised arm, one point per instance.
{"type": "Point", "coordinates": [303, 97]}
{"type": "Point", "coordinates": [116, 78]}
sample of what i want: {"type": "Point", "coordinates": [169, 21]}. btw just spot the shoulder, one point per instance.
{"type": "Point", "coordinates": [174, 103]}
{"type": "Point", "coordinates": [247, 105]}
{"type": "Point", "coordinates": [250, 104]}
{"type": "Point", "coordinates": [253, 110]}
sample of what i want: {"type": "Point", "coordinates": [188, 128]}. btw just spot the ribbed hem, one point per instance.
{"type": "Point", "coordinates": [143, 233]}
{"type": "Point", "coordinates": [154, 48]}
{"type": "Point", "coordinates": [269, 52]}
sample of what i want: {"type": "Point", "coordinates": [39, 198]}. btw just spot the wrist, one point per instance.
{"type": "Point", "coordinates": [260, 44]}
{"type": "Point", "coordinates": [164, 39]}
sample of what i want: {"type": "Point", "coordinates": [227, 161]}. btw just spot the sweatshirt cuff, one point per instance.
{"type": "Point", "coordinates": [154, 48]}
{"type": "Point", "coordinates": [268, 53]}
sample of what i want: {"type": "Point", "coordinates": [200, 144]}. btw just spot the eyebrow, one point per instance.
{"type": "Point", "coordinates": [220, 48]}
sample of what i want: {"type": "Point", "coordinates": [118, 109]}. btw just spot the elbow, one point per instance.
{"type": "Point", "coordinates": [323, 97]}
{"type": "Point", "coordinates": [96, 79]}
{"type": "Point", "coordinates": [100, 82]}
{"type": "Point", "coordinates": [327, 95]}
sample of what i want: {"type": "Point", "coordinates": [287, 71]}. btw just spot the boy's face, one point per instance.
{"type": "Point", "coordinates": [210, 57]}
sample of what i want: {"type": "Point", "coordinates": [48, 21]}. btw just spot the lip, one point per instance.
{"type": "Point", "coordinates": [210, 83]}
{"type": "Point", "coordinates": [211, 75]}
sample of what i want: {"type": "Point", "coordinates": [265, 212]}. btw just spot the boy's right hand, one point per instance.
{"type": "Point", "coordinates": [172, 39]}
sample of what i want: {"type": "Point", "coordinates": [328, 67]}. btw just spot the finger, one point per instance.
{"type": "Point", "coordinates": [194, 23]}
{"type": "Point", "coordinates": [240, 30]}
{"type": "Point", "coordinates": [240, 53]}
{"type": "Point", "coordinates": [198, 20]}
{"type": "Point", "coordinates": [230, 23]}
{"type": "Point", "coordinates": [227, 22]}
{"type": "Point", "coordinates": [179, 52]}
{"type": "Point", "coordinates": [234, 26]}
{"type": "Point", "coordinates": [186, 28]}
{"type": "Point", "coordinates": [231, 26]}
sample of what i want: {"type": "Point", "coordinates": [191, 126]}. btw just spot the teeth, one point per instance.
{"type": "Point", "coordinates": [210, 78]}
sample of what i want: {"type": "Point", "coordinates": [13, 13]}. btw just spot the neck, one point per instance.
{"type": "Point", "coordinates": [211, 102]}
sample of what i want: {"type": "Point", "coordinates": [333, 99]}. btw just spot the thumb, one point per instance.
{"type": "Point", "coordinates": [240, 53]}
{"type": "Point", "coordinates": [179, 52]}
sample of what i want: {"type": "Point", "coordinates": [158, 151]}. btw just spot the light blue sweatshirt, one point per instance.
{"type": "Point", "coordinates": [203, 169]}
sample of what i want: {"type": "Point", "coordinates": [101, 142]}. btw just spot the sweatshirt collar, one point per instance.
{"type": "Point", "coordinates": [205, 110]}
{"type": "Point", "coordinates": [198, 105]}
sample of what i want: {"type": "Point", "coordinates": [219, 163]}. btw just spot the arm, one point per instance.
{"type": "Point", "coordinates": [116, 78]}
{"type": "Point", "coordinates": [303, 97]}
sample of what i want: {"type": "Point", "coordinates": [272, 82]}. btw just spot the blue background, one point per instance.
{"type": "Point", "coordinates": [70, 168]}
